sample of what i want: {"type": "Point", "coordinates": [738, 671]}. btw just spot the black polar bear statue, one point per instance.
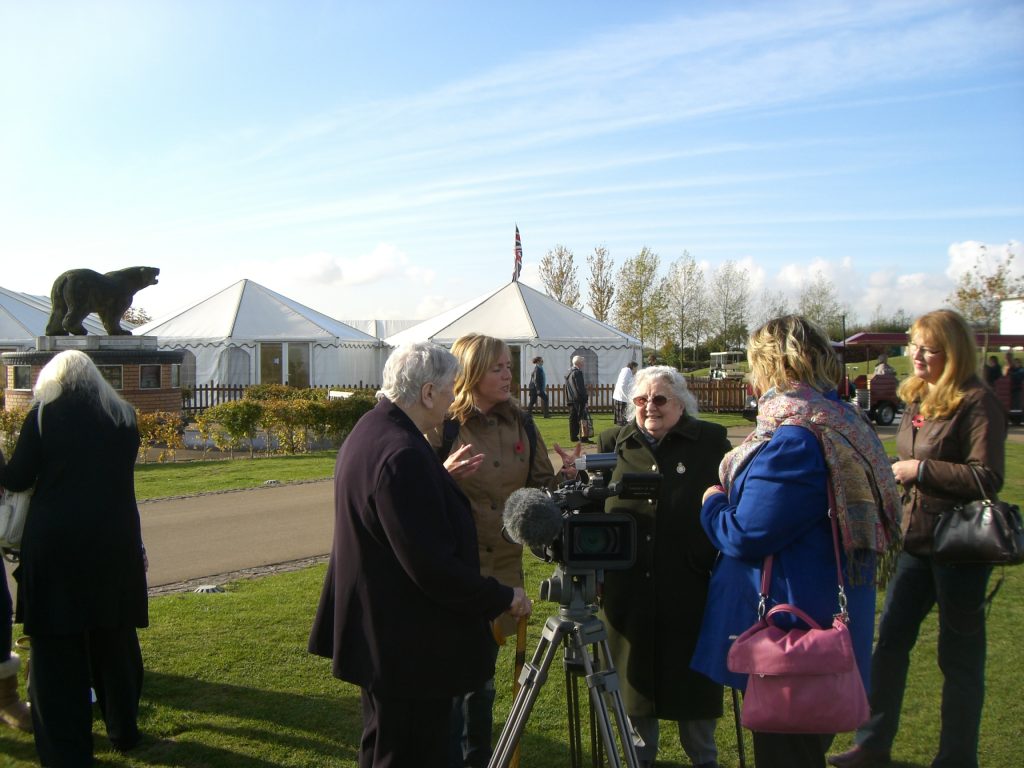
{"type": "Point", "coordinates": [78, 292]}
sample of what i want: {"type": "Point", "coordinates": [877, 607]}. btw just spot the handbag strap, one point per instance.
{"type": "Point", "coordinates": [977, 479]}
{"type": "Point", "coordinates": [766, 568]}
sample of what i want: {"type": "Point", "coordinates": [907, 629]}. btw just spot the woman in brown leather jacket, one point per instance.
{"type": "Point", "coordinates": [953, 428]}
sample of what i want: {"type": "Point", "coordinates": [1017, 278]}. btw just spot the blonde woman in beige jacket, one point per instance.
{"type": "Point", "coordinates": [492, 455]}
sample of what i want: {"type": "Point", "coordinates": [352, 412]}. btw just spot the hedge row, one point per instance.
{"type": "Point", "coordinates": [290, 419]}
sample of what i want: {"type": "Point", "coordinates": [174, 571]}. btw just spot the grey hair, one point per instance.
{"type": "Point", "coordinates": [577, 359]}
{"type": "Point", "coordinates": [670, 376]}
{"type": "Point", "coordinates": [411, 366]}
{"type": "Point", "coordinates": [74, 371]}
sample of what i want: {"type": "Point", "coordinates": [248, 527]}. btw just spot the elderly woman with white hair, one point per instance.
{"type": "Point", "coordinates": [81, 580]}
{"type": "Point", "coordinates": [404, 610]}
{"type": "Point", "coordinates": [653, 610]}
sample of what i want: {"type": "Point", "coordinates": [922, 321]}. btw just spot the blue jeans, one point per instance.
{"type": "Point", "coordinates": [919, 584]}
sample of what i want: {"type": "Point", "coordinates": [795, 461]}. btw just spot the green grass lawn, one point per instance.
{"type": "Point", "coordinates": [229, 682]}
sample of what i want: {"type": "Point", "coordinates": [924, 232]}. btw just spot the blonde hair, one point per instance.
{"type": "Point", "coordinates": [789, 350]}
{"type": "Point", "coordinates": [477, 354]}
{"type": "Point", "coordinates": [74, 371]}
{"type": "Point", "coordinates": [947, 330]}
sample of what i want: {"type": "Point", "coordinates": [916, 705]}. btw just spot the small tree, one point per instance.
{"type": "Point", "coordinates": [558, 274]}
{"type": "Point", "coordinates": [231, 425]}
{"type": "Point", "coordinates": [686, 304]}
{"type": "Point", "coordinates": [979, 292]}
{"type": "Point", "coordinates": [601, 283]}
{"type": "Point", "coordinates": [818, 303]}
{"type": "Point", "coordinates": [640, 304]}
{"type": "Point", "coordinates": [161, 429]}
{"type": "Point", "coordinates": [730, 299]}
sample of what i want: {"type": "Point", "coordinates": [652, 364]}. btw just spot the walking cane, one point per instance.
{"type": "Point", "coordinates": [517, 670]}
{"type": "Point", "coordinates": [740, 746]}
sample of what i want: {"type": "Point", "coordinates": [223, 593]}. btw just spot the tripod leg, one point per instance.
{"type": "Point", "coordinates": [532, 679]}
{"type": "Point", "coordinates": [604, 688]}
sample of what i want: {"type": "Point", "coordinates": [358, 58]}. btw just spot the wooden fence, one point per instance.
{"type": "Point", "coordinates": [713, 396]}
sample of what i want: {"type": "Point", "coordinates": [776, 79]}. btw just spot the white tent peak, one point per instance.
{"type": "Point", "coordinates": [249, 310]}
{"type": "Point", "coordinates": [23, 317]}
{"type": "Point", "coordinates": [516, 313]}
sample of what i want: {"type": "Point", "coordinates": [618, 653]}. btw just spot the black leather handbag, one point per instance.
{"type": "Point", "coordinates": [985, 532]}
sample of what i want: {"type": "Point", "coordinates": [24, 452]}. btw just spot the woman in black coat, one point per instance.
{"type": "Point", "coordinates": [81, 581]}
{"type": "Point", "coordinates": [653, 610]}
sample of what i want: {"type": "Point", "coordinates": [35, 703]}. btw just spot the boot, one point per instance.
{"type": "Point", "coordinates": [13, 712]}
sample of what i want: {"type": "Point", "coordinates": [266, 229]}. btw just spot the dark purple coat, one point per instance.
{"type": "Point", "coordinates": [404, 610]}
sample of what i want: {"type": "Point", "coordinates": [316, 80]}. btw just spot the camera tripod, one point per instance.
{"type": "Point", "coordinates": [582, 635]}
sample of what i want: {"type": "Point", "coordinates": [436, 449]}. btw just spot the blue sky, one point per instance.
{"type": "Point", "coordinates": [371, 160]}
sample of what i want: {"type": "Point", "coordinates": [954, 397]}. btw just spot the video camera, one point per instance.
{"type": "Point", "coordinates": [568, 526]}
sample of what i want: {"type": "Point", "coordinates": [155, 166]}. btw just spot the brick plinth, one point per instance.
{"type": "Point", "coordinates": [128, 362]}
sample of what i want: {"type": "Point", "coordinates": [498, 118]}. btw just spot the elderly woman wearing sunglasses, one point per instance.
{"type": "Point", "coordinates": [653, 610]}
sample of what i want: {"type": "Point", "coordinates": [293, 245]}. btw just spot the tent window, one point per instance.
{"type": "Point", "coordinates": [271, 363]}
{"type": "Point", "coordinates": [517, 372]}
{"type": "Point", "coordinates": [233, 367]}
{"type": "Point", "coordinates": [298, 364]}
{"type": "Point", "coordinates": [188, 369]}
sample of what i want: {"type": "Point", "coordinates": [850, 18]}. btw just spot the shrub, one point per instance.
{"type": "Point", "coordinates": [339, 416]}
{"type": "Point", "coordinates": [162, 429]}
{"type": "Point", "coordinates": [230, 425]}
{"type": "Point", "coordinates": [10, 428]}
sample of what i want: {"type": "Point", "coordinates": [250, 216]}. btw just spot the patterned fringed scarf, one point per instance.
{"type": "Point", "coordinates": [868, 503]}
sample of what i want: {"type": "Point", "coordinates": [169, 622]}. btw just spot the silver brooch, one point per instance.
{"type": "Point", "coordinates": [680, 468]}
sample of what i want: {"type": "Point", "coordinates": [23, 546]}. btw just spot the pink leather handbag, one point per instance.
{"type": "Point", "coordinates": [800, 680]}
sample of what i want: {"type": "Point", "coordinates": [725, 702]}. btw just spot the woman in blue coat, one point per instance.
{"type": "Point", "coordinates": [773, 500]}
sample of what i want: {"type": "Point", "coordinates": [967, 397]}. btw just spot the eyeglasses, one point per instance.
{"type": "Point", "coordinates": [928, 352]}
{"type": "Point", "coordinates": [658, 400]}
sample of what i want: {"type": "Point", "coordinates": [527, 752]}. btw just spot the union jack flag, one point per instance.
{"type": "Point", "coordinates": [518, 268]}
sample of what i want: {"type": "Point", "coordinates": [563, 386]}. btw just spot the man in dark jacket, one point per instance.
{"type": "Point", "coordinates": [404, 610]}
{"type": "Point", "coordinates": [576, 397]}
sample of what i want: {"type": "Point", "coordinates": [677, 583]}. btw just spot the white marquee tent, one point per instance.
{"type": "Point", "coordinates": [23, 318]}
{"type": "Point", "coordinates": [248, 334]}
{"type": "Point", "coordinates": [533, 324]}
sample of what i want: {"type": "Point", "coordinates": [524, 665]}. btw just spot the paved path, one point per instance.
{"type": "Point", "coordinates": [218, 537]}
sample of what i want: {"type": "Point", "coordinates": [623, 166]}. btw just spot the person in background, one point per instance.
{"type": "Point", "coordinates": [953, 427]}
{"type": "Point", "coordinates": [883, 366]}
{"type": "Point", "coordinates": [404, 610]}
{"type": "Point", "coordinates": [653, 610]}
{"type": "Point", "coordinates": [13, 711]}
{"type": "Point", "coordinates": [82, 576]}
{"type": "Point", "coordinates": [621, 394]}
{"type": "Point", "coordinates": [1016, 375]}
{"type": "Point", "coordinates": [576, 397]}
{"type": "Point", "coordinates": [774, 500]}
{"type": "Point", "coordinates": [492, 449]}
{"type": "Point", "coordinates": [993, 371]}
{"type": "Point", "coordinates": [538, 386]}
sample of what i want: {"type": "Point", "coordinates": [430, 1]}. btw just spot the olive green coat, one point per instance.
{"type": "Point", "coordinates": [653, 610]}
